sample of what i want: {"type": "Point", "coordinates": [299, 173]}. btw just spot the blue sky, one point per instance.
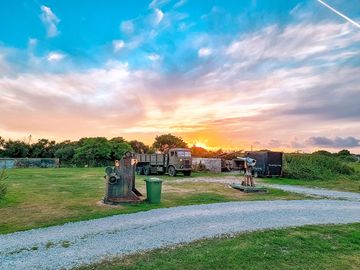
{"type": "Point", "coordinates": [219, 73]}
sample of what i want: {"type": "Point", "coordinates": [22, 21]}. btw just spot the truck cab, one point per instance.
{"type": "Point", "coordinates": [179, 160]}
{"type": "Point", "coordinates": [174, 161]}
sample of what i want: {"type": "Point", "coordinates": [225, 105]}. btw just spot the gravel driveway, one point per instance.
{"type": "Point", "coordinates": [85, 242]}
{"type": "Point", "coordinates": [318, 192]}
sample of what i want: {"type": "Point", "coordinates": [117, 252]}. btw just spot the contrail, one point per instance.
{"type": "Point", "coordinates": [338, 13]}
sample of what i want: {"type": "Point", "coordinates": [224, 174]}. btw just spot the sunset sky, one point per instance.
{"type": "Point", "coordinates": [231, 74]}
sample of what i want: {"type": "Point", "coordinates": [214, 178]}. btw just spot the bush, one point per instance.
{"type": "Point", "coordinates": [315, 166]}
{"type": "Point", "coordinates": [3, 188]}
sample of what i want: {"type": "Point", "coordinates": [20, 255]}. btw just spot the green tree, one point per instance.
{"type": "Point", "coordinates": [118, 149]}
{"type": "Point", "coordinates": [118, 140]}
{"type": "Point", "coordinates": [65, 153]}
{"type": "Point", "coordinates": [16, 149]}
{"type": "Point", "coordinates": [165, 142]}
{"type": "Point", "coordinates": [43, 148]}
{"type": "Point", "coordinates": [139, 147]}
{"type": "Point", "coordinates": [344, 152]}
{"type": "Point", "coordinates": [322, 152]}
{"type": "Point", "coordinates": [93, 152]}
{"type": "Point", "coordinates": [2, 143]}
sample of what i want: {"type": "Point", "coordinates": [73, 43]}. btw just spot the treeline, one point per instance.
{"type": "Point", "coordinates": [97, 151]}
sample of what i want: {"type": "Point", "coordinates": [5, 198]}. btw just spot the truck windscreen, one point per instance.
{"type": "Point", "coordinates": [183, 153]}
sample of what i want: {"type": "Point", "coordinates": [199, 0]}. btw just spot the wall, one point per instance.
{"type": "Point", "coordinates": [211, 164]}
{"type": "Point", "coordinates": [9, 163]}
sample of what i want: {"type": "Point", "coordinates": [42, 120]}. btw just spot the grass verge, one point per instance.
{"type": "Point", "coordinates": [44, 197]}
{"type": "Point", "coordinates": [310, 247]}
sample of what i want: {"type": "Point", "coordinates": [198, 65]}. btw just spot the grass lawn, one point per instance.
{"type": "Point", "coordinates": [344, 184]}
{"type": "Point", "coordinates": [311, 247]}
{"type": "Point", "coordinates": [44, 197]}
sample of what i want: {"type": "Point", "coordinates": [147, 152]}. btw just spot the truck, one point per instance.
{"type": "Point", "coordinates": [177, 160]}
{"type": "Point", "coordinates": [268, 163]}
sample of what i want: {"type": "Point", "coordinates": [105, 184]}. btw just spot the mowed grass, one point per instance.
{"type": "Point", "coordinates": [45, 197]}
{"type": "Point", "coordinates": [310, 247]}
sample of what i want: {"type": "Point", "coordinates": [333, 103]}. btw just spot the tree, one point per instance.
{"type": "Point", "coordinates": [344, 152]}
{"type": "Point", "coordinates": [93, 152]}
{"type": "Point", "coordinates": [322, 152]}
{"type": "Point", "coordinates": [43, 149]}
{"type": "Point", "coordinates": [197, 151]}
{"type": "Point", "coordinates": [139, 147]}
{"type": "Point", "coordinates": [65, 153]}
{"type": "Point", "coordinates": [118, 149]}
{"type": "Point", "coordinates": [164, 142]}
{"type": "Point", "coordinates": [2, 142]}
{"type": "Point", "coordinates": [118, 140]}
{"type": "Point", "coordinates": [16, 149]}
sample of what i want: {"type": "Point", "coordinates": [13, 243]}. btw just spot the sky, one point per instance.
{"type": "Point", "coordinates": [282, 75]}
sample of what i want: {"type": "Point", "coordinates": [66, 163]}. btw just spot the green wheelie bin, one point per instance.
{"type": "Point", "coordinates": [153, 190]}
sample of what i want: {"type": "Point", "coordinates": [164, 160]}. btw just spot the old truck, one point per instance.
{"type": "Point", "coordinates": [268, 163]}
{"type": "Point", "coordinates": [175, 161]}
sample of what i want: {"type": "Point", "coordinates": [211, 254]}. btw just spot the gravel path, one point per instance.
{"type": "Point", "coordinates": [85, 242]}
{"type": "Point", "coordinates": [319, 192]}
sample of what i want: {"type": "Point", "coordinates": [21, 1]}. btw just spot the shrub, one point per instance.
{"type": "Point", "coordinates": [315, 166]}
{"type": "Point", "coordinates": [3, 188]}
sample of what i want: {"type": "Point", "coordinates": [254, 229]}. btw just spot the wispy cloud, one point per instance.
{"type": "Point", "coordinates": [204, 52]}
{"type": "Point", "coordinates": [127, 27]}
{"type": "Point", "coordinates": [50, 21]}
{"type": "Point", "coordinates": [153, 57]}
{"type": "Point", "coordinates": [118, 45]}
{"type": "Point", "coordinates": [55, 56]}
{"type": "Point", "coordinates": [180, 3]}
{"type": "Point", "coordinates": [158, 16]}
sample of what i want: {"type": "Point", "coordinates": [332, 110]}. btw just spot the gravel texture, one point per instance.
{"type": "Point", "coordinates": [321, 192]}
{"type": "Point", "coordinates": [75, 244]}
{"type": "Point", "coordinates": [318, 192]}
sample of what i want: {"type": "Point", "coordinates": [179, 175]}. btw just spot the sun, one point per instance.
{"type": "Point", "coordinates": [201, 144]}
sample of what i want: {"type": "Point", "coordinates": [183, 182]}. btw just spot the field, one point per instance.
{"type": "Point", "coordinates": [311, 247]}
{"type": "Point", "coordinates": [44, 197]}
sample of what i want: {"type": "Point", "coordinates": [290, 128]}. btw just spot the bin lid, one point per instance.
{"type": "Point", "coordinates": [154, 180]}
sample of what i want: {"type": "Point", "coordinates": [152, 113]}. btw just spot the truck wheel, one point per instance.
{"type": "Point", "coordinates": [187, 173]}
{"type": "Point", "coordinates": [172, 171]}
{"type": "Point", "coordinates": [147, 170]}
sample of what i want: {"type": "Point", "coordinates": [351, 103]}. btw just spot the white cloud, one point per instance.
{"type": "Point", "coordinates": [55, 56]}
{"type": "Point", "coordinates": [154, 57]}
{"type": "Point", "coordinates": [127, 27]}
{"type": "Point", "coordinates": [158, 16]}
{"type": "Point", "coordinates": [297, 41]}
{"type": "Point", "coordinates": [204, 52]}
{"type": "Point", "coordinates": [50, 20]}
{"type": "Point", "coordinates": [32, 42]}
{"type": "Point", "coordinates": [180, 3]}
{"type": "Point", "coordinates": [118, 45]}
{"type": "Point", "coordinates": [158, 3]}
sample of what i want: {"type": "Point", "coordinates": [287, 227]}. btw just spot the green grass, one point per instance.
{"type": "Point", "coordinates": [315, 166]}
{"type": "Point", "coordinates": [310, 247]}
{"type": "Point", "coordinates": [341, 184]}
{"type": "Point", "coordinates": [44, 197]}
